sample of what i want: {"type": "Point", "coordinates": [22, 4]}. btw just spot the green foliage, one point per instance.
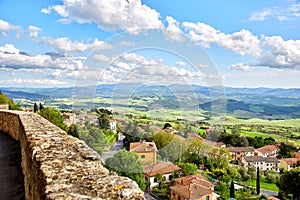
{"type": "Point", "coordinates": [5, 100]}
{"type": "Point", "coordinates": [289, 183]}
{"type": "Point", "coordinates": [54, 116]}
{"type": "Point", "coordinates": [73, 130]}
{"type": "Point", "coordinates": [174, 150]}
{"type": "Point", "coordinates": [104, 117]}
{"type": "Point", "coordinates": [35, 108]}
{"type": "Point", "coordinates": [127, 164]}
{"type": "Point", "coordinates": [188, 168]}
{"type": "Point", "coordinates": [286, 151]}
{"type": "Point", "coordinates": [162, 139]}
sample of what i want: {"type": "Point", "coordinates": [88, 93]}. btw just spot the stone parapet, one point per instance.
{"type": "Point", "coordinates": [58, 166]}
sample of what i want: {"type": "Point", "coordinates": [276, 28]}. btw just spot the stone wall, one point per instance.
{"type": "Point", "coordinates": [58, 166]}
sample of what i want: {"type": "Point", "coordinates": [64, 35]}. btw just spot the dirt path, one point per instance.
{"type": "Point", "coordinates": [11, 177]}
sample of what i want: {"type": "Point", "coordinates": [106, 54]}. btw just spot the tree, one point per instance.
{"type": "Point", "coordinates": [167, 125]}
{"type": "Point", "coordinates": [188, 168]}
{"type": "Point", "coordinates": [73, 130]}
{"type": "Point", "coordinates": [286, 151]}
{"type": "Point", "coordinates": [5, 100]}
{"type": "Point", "coordinates": [127, 164]}
{"type": "Point", "coordinates": [35, 108]}
{"type": "Point", "coordinates": [289, 183]}
{"type": "Point", "coordinates": [54, 116]}
{"type": "Point", "coordinates": [162, 139]}
{"type": "Point", "coordinates": [104, 116]}
{"type": "Point", "coordinates": [257, 182]}
{"type": "Point", "coordinates": [41, 106]}
{"type": "Point", "coordinates": [232, 189]}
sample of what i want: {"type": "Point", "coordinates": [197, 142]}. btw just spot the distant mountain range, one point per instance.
{"type": "Point", "coordinates": [272, 103]}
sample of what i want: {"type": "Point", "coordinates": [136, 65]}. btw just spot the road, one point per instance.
{"type": "Point", "coordinates": [115, 148]}
{"type": "Point", "coordinates": [269, 193]}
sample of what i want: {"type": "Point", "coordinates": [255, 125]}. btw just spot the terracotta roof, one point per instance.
{"type": "Point", "coordinates": [160, 168]}
{"type": "Point", "coordinates": [192, 191]}
{"type": "Point", "coordinates": [291, 161]}
{"type": "Point", "coordinates": [195, 179]}
{"type": "Point", "coordinates": [142, 146]}
{"type": "Point", "coordinates": [267, 149]}
{"type": "Point", "coordinates": [261, 159]}
{"type": "Point", "coordinates": [240, 149]}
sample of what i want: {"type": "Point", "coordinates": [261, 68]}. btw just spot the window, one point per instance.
{"type": "Point", "coordinates": [142, 156]}
{"type": "Point", "coordinates": [146, 178]}
{"type": "Point", "coordinates": [173, 194]}
{"type": "Point", "coordinates": [155, 180]}
{"type": "Point", "coordinates": [179, 198]}
{"type": "Point", "coordinates": [207, 198]}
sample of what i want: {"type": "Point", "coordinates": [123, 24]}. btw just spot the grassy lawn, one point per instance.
{"type": "Point", "coordinates": [263, 185]}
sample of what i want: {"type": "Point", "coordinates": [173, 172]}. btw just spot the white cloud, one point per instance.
{"type": "Point", "coordinates": [64, 44]}
{"type": "Point", "coordinates": [10, 57]}
{"type": "Point", "coordinates": [5, 26]}
{"type": "Point", "coordinates": [101, 57]}
{"type": "Point", "coordinates": [34, 31]}
{"type": "Point", "coordinates": [20, 81]}
{"type": "Point", "coordinates": [126, 43]}
{"type": "Point", "coordinates": [172, 31]}
{"type": "Point", "coordinates": [180, 63]}
{"type": "Point", "coordinates": [242, 42]}
{"type": "Point", "coordinates": [282, 53]}
{"type": "Point", "coordinates": [9, 48]}
{"type": "Point", "coordinates": [291, 11]}
{"type": "Point", "coordinates": [241, 67]}
{"type": "Point", "coordinates": [129, 15]}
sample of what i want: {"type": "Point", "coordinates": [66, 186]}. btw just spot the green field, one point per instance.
{"type": "Point", "coordinates": [263, 185]}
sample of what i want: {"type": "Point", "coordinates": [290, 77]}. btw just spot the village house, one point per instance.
{"type": "Point", "coordinates": [237, 153]}
{"type": "Point", "coordinates": [69, 118]}
{"type": "Point", "coordinates": [145, 150]}
{"type": "Point", "coordinates": [193, 187]}
{"type": "Point", "coordinates": [113, 125]}
{"type": "Point", "coordinates": [263, 163]}
{"type": "Point", "coordinates": [268, 151]}
{"type": "Point", "coordinates": [166, 169]}
{"type": "Point", "coordinates": [297, 154]}
{"type": "Point", "coordinates": [289, 163]}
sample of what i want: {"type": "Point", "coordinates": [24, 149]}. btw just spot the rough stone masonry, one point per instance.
{"type": "Point", "coordinates": [58, 166]}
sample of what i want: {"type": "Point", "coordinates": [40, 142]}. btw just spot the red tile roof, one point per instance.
{"type": "Point", "coordinates": [267, 149]}
{"type": "Point", "coordinates": [195, 179]}
{"type": "Point", "coordinates": [142, 147]}
{"type": "Point", "coordinates": [192, 187]}
{"type": "Point", "coordinates": [192, 191]}
{"type": "Point", "coordinates": [291, 161]}
{"type": "Point", "coordinates": [160, 168]}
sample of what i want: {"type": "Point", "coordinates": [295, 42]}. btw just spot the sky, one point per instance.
{"type": "Point", "coordinates": [249, 43]}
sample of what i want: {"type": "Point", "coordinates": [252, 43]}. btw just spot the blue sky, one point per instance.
{"type": "Point", "coordinates": [51, 43]}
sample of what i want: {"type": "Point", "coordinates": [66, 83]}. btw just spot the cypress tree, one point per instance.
{"type": "Point", "coordinates": [257, 182]}
{"type": "Point", "coordinates": [232, 189]}
{"type": "Point", "coordinates": [35, 108]}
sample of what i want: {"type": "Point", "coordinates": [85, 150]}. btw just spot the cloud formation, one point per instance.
{"type": "Point", "coordinates": [5, 26]}
{"type": "Point", "coordinates": [242, 42]}
{"type": "Point", "coordinates": [128, 15]}
{"type": "Point", "coordinates": [291, 11]}
{"type": "Point", "coordinates": [173, 31]}
{"type": "Point", "coordinates": [11, 57]}
{"type": "Point", "coordinates": [64, 44]}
